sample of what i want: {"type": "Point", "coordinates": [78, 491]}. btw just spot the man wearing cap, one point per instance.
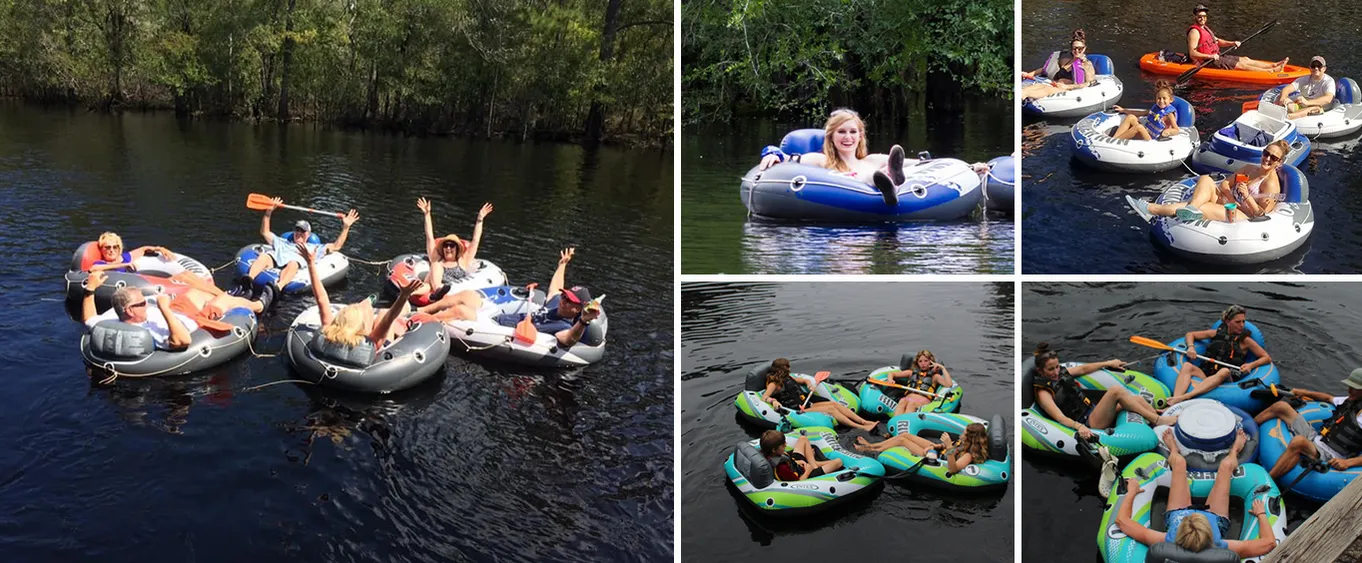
{"type": "Point", "coordinates": [1311, 93]}
{"type": "Point", "coordinates": [1338, 442]}
{"type": "Point", "coordinates": [283, 252]}
{"type": "Point", "coordinates": [568, 311]}
{"type": "Point", "coordinates": [1202, 44]}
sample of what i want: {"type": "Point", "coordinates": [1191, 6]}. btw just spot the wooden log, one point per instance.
{"type": "Point", "coordinates": [1329, 534]}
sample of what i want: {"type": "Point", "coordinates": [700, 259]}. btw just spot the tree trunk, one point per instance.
{"type": "Point", "coordinates": [595, 119]}
{"type": "Point", "coordinates": [287, 49]}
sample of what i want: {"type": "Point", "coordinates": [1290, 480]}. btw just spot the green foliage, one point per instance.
{"type": "Point", "coordinates": [797, 57]}
{"type": "Point", "coordinates": [523, 68]}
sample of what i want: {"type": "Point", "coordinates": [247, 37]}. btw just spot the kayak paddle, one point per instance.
{"type": "Point", "coordinates": [262, 202]}
{"type": "Point", "coordinates": [1187, 75]}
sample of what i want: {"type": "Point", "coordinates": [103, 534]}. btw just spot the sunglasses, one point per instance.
{"type": "Point", "coordinates": [1080, 47]}
{"type": "Point", "coordinates": [1270, 158]}
{"type": "Point", "coordinates": [142, 303]}
{"type": "Point", "coordinates": [111, 246]}
{"type": "Point", "coordinates": [1316, 65]}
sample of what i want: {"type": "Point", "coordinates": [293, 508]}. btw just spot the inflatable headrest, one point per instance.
{"type": "Point", "coordinates": [1028, 379]}
{"type": "Point", "coordinates": [1294, 185]}
{"type": "Point", "coordinates": [360, 356]}
{"type": "Point", "coordinates": [1101, 64]}
{"type": "Point", "coordinates": [1168, 552]}
{"type": "Point", "coordinates": [802, 141]}
{"type": "Point", "coordinates": [1346, 92]}
{"type": "Point", "coordinates": [906, 361]}
{"type": "Point", "coordinates": [998, 438]}
{"type": "Point", "coordinates": [756, 377]}
{"type": "Point", "coordinates": [85, 256]}
{"type": "Point", "coordinates": [311, 237]}
{"type": "Point", "coordinates": [752, 465]}
{"type": "Point", "coordinates": [1186, 117]}
{"type": "Point", "coordinates": [122, 341]}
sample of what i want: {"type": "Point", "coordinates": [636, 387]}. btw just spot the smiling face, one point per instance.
{"type": "Point", "coordinates": [1078, 48]}
{"type": "Point", "coordinates": [1163, 99]}
{"type": "Point", "coordinates": [1273, 156]}
{"type": "Point", "coordinates": [924, 360]}
{"type": "Point", "coordinates": [1200, 18]}
{"type": "Point", "coordinates": [844, 138]}
{"type": "Point", "coordinates": [847, 137]}
{"type": "Point", "coordinates": [1316, 70]}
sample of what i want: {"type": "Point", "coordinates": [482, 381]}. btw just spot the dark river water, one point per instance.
{"type": "Point", "coordinates": [848, 329]}
{"type": "Point", "coordinates": [717, 237]}
{"type": "Point", "coordinates": [1076, 220]}
{"type": "Point", "coordinates": [1312, 331]}
{"type": "Point", "coordinates": [485, 462]}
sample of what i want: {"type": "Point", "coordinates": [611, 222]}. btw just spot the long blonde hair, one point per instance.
{"type": "Point", "coordinates": [836, 120]}
{"type": "Point", "coordinates": [974, 442]}
{"type": "Point", "coordinates": [1194, 533]}
{"type": "Point", "coordinates": [347, 328]}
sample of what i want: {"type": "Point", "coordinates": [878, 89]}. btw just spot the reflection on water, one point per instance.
{"type": "Point", "coordinates": [945, 248]}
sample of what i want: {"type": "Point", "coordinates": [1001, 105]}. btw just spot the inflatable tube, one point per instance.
{"type": "Point", "coordinates": [1000, 184]}
{"type": "Point", "coordinates": [401, 364]}
{"type": "Point", "coordinates": [753, 477]}
{"type": "Point", "coordinates": [1250, 482]}
{"type": "Point", "coordinates": [760, 413]}
{"type": "Point", "coordinates": [1235, 394]}
{"type": "Point", "coordinates": [1094, 145]}
{"type": "Point", "coordinates": [417, 266]}
{"type": "Point", "coordinates": [1151, 62]}
{"type": "Point", "coordinates": [485, 337]}
{"type": "Point", "coordinates": [879, 400]}
{"type": "Point", "coordinates": [1245, 241]}
{"type": "Point", "coordinates": [152, 275]}
{"type": "Point", "coordinates": [942, 189]}
{"type": "Point", "coordinates": [993, 473]}
{"type": "Point", "coordinates": [333, 267]}
{"type": "Point", "coordinates": [1080, 101]}
{"type": "Point", "coordinates": [1205, 432]}
{"type": "Point", "coordinates": [1341, 118]}
{"type": "Point", "coordinates": [1242, 141]}
{"type": "Point", "coordinates": [125, 349]}
{"type": "Point", "coordinates": [1130, 434]}
{"type": "Point", "coordinates": [1317, 486]}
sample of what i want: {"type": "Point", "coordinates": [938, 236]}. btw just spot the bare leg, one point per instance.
{"type": "Point", "coordinates": [843, 415]}
{"type": "Point", "coordinates": [1278, 409]}
{"type": "Point", "coordinates": [286, 275]}
{"type": "Point", "coordinates": [1203, 386]}
{"type": "Point", "coordinates": [463, 305]}
{"type": "Point", "coordinates": [1246, 63]}
{"type": "Point", "coordinates": [1128, 124]}
{"type": "Point", "coordinates": [1179, 492]}
{"type": "Point", "coordinates": [909, 403]}
{"type": "Point", "coordinates": [915, 444]}
{"type": "Point", "coordinates": [1294, 449]}
{"type": "Point", "coordinates": [1185, 375]}
{"type": "Point", "coordinates": [1117, 398]}
{"type": "Point", "coordinates": [1204, 191]}
{"type": "Point", "coordinates": [1219, 499]}
{"type": "Point", "coordinates": [262, 262]}
{"type": "Point", "coordinates": [226, 303]}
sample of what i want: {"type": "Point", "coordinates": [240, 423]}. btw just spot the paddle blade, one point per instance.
{"type": "Point", "coordinates": [525, 333]}
{"type": "Point", "coordinates": [259, 202]}
{"type": "Point", "coordinates": [1249, 106]}
{"type": "Point", "coordinates": [1142, 341]}
{"type": "Point", "coordinates": [820, 376]}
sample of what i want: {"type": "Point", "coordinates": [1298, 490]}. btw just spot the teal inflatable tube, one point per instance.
{"type": "Point", "coordinates": [991, 474]}
{"type": "Point", "coordinates": [1130, 434]}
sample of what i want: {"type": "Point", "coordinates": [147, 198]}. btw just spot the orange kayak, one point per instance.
{"type": "Point", "coordinates": [1151, 63]}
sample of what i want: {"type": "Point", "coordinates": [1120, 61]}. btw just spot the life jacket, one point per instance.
{"type": "Point", "coordinates": [1154, 122]}
{"type": "Point", "coordinates": [1080, 76]}
{"type": "Point", "coordinates": [790, 395]}
{"type": "Point", "coordinates": [1068, 395]}
{"type": "Point", "coordinates": [923, 380]}
{"type": "Point", "coordinates": [1224, 349]}
{"type": "Point", "coordinates": [1051, 67]}
{"type": "Point", "coordinates": [784, 468]}
{"type": "Point", "coordinates": [1341, 432]}
{"type": "Point", "coordinates": [1206, 43]}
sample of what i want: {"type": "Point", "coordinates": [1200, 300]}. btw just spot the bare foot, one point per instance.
{"type": "Point", "coordinates": [1169, 441]}
{"type": "Point", "coordinates": [868, 426]}
{"type": "Point", "coordinates": [1175, 399]}
{"type": "Point", "coordinates": [1239, 440]}
{"type": "Point", "coordinates": [1168, 420]}
{"type": "Point", "coordinates": [862, 444]}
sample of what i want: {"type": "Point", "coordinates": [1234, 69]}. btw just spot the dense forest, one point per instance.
{"type": "Point", "coordinates": [797, 58]}
{"type": "Point", "coordinates": [556, 69]}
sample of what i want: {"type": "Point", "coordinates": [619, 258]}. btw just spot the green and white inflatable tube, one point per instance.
{"type": "Point", "coordinates": [990, 474]}
{"type": "Point", "coordinates": [1130, 435]}
{"type": "Point", "coordinates": [750, 473]}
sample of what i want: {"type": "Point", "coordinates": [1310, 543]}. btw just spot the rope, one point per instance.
{"type": "Point", "coordinates": [469, 348]}
{"type": "Point", "coordinates": [263, 385]}
{"type": "Point", "coordinates": [251, 347]}
{"type": "Point", "coordinates": [114, 374]}
{"type": "Point", "coordinates": [214, 270]}
{"type": "Point", "coordinates": [370, 262]}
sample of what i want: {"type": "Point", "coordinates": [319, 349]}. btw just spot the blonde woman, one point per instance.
{"type": "Point", "coordinates": [972, 447]}
{"type": "Point", "coordinates": [925, 374]}
{"type": "Point", "coordinates": [1192, 528]}
{"type": "Point", "coordinates": [354, 324]}
{"type": "Point", "coordinates": [113, 258]}
{"type": "Point", "coordinates": [1254, 190]}
{"type": "Point", "coordinates": [452, 259]}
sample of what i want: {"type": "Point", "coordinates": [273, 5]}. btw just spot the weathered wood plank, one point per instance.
{"type": "Point", "coordinates": [1334, 533]}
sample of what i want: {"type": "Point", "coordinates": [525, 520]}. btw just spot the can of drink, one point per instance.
{"type": "Point", "coordinates": [1230, 209]}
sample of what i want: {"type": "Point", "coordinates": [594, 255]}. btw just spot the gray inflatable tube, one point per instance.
{"type": "Point", "coordinates": [152, 276]}
{"type": "Point", "coordinates": [127, 350]}
{"type": "Point", "coordinates": [486, 274]}
{"type": "Point", "coordinates": [402, 364]}
{"type": "Point", "coordinates": [486, 337]}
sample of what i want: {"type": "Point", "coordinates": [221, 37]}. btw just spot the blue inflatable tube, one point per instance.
{"type": "Point", "coordinates": [1317, 486]}
{"type": "Point", "coordinates": [1000, 184]}
{"type": "Point", "coordinates": [1234, 394]}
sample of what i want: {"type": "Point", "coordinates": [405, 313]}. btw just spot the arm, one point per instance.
{"type": "Point", "coordinates": [1170, 124]}
{"type": "Point", "coordinates": [380, 331]}
{"type": "Point", "coordinates": [1192, 337]}
{"type": "Point", "coordinates": [1266, 541]}
{"type": "Point", "coordinates": [318, 290]}
{"type": "Point", "coordinates": [556, 283]}
{"type": "Point", "coordinates": [1046, 400]}
{"type": "Point", "coordinates": [1321, 101]}
{"type": "Point", "coordinates": [571, 336]}
{"type": "Point", "coordinates": [179, 335]}
{"type": "Point", "coordinates": [1128, 525]}
{"type": "Point", "coordinates": [87, 304]}
{"type": "Point", "coordinates": [1085, 369]}
{"type": "Point", "coordinates": [944, 378]}
{"type": "Point", "coordinates": [346, 222]}
{"type": "Point", "coordinates": [424, 205]}
{"type": "Point", "coordinates": [1287, 90]}
{"type": "Point", "coordinates": [265, 222]}
{"type": "Point", "coordinates": [766, 396]}
{"type": "Point", "coordinates": [467, 260]}
{"type": "Point", "coordinates": [1263, 358]}
{"type": "Point", "coordinates": [957, 464]}
{"type": "Point", "coordinates": [1312, 395]}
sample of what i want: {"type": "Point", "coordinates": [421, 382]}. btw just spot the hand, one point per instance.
{"type": "Point", "coordinates": [769, 161]}
{"type": "Point", "coordinates": [1083, 432]}
{"type": "Point", "coordinates": [566, 255]}
{"type": "Point", "coordinates": [277, 201]}
{"type": "Point", "coordinates": [590, 314]}
{"type": "Point", "coordinates": [166, 254]}
{"type": "Point", "coordinates": [424, 205]}
{"type": "Point", "coordinates": [350, 218]}
{"type": "Point", "coordinates": [1118, 109]}
{"type": "Point", "coordinates": [1258, 507]}
{"type": "Point", "coordinates": [938, 365]}
{"type": "Point", "coordinates": [774, 402]}
{"type": "Point", "coordinates": [1028, 75]}
{"type": "Point", "coordinates": [485, 211]}
{"type": "Point", "coordinates": [1215, 57]}
{"type": "Point", "coordinates": [1337, 463]}
{"type": "Point", "coordinates": [1133, 486]}
{"type": "Point", "coordinates": [407, 290]}
{"type": "Point", "coordinates": [1190, 353]}
{"type": "Point", "coordinates": [163, 301]}
{"type": "Point", "coordinates": [1245, 368]}
{"type": "Point", "coordinates": [1236, 45]}
{"type": "Point", "coordinates": [1117, 364]}
{"type": "Point", "coordinates": [306, 252]}
{"type": "Point", "coordinates": [95, 280]}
